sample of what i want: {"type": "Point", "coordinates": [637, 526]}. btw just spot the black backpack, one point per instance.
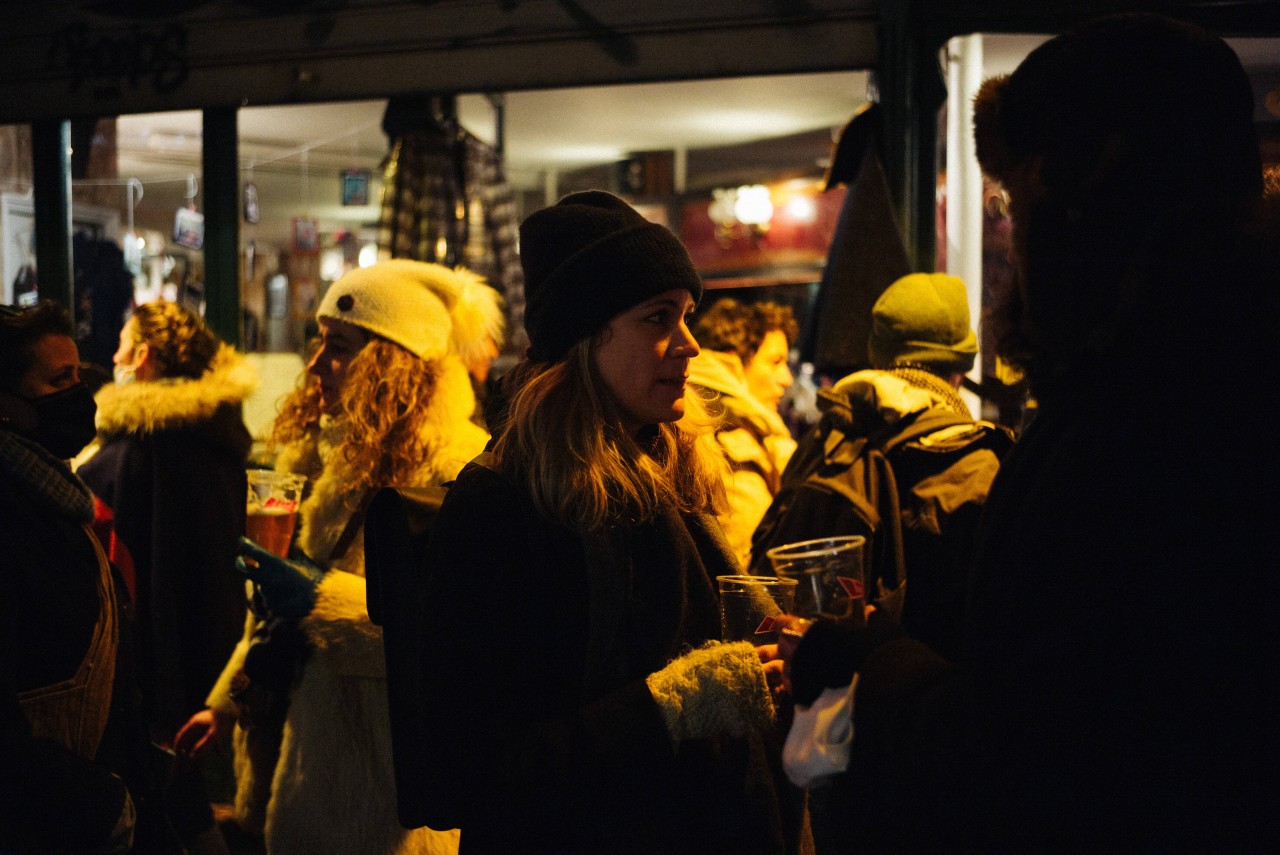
{"type": "Point", "coordinates": [845, 479]}
{"type": "Point", "coordinates": [397, 537]}
{"type": "Point", "coordinates": [397, 529]}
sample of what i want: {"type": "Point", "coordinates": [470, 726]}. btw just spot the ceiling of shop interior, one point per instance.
{"type": "Point", "coordinates": [295, 154]}
{"type": "Point", "coordinates": [758, 127]}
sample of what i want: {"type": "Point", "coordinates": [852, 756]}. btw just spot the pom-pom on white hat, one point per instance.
{"type": "Point", "coordinates": [477, 317]}
{"type": "Point", "coordinates": [413, 303]}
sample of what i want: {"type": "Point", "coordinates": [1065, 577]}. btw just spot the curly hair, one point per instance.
{"type": "Point", "coordinates": [732, 326]}
{"type": "Point", "coordinates": [562, 439]}
{"type": "Point", "coordinates": [386, 398]}
{"type": "Point", "coordinates": [182, 344]}
{"type": "Point", "coordinates": [1271, 179]}
{"type": "Point", "coordinates": [20, 330]}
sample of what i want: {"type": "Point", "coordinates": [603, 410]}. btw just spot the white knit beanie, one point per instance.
{"type": "Point", "coordinates": [428, 309]}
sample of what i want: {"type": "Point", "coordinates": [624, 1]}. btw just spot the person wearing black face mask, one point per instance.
{"type": "Point", "coordinates": [65, 730]}
{"type": "Point", "coordinates": [63, 420]}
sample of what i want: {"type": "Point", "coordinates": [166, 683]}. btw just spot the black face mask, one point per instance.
{"type": "Point", "coordinates": [64, 421]}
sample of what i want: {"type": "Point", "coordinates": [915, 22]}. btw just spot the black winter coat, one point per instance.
{"type": "Point", "coordinates": [176, 488]}
{"type": "Point", "coordinates": [545, 736]}
{"type": "Point", "coordinates": [1119, 685]}
{"type": "Point", "coordinates": [1119, 688]}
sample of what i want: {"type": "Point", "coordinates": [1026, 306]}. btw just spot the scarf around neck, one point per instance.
{"type": "Point", "coordinates": [47, 479]}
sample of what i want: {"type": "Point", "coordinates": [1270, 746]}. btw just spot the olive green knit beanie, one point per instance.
{"type": "Point", "coordinates": [923, 318]}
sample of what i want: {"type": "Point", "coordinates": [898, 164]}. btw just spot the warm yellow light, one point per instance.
{"type": "Point", "coordinates": [801, 209]}
{"type": "Point", "coordinates": [721, 209]}
{"type": "Point", "coordinates": [753, 207]}
{"type": "Point", "coordinates": [331, 264]}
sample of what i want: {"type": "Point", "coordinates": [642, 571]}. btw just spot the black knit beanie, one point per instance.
{"type": "Point", "coordinates": [587, 258]}
{"type": "Point", "coordinates": [1132, 104]}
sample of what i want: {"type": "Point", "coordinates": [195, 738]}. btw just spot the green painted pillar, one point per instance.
{"type": "Point", "coordinates": [222, 225]}
{"type": "Point", "coordinates": [912, 90]}
{"type": "Point", "coordinates": [51, 177]}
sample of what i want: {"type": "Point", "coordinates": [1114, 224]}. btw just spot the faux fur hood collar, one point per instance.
{"type": "Point", "coordinates": [146, 407]}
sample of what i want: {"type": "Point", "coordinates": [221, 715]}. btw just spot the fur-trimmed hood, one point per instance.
{"type": "Point", "coordinates": [147, 407]}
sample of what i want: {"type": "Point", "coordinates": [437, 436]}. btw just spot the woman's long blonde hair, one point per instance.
{"type": "Point", "coordinates": [562, 439]}
{"type": "Point", "coordinates": [386, 400]}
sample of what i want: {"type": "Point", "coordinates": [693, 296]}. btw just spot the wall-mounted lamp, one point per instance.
{"type": "Point", "coordinates": [740, 212]}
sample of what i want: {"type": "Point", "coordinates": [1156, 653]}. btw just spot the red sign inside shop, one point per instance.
{"type": "Point", "coordinates": [799, 233]}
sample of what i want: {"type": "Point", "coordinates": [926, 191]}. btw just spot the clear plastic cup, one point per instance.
{"type": "Point", "coordinates": [271, 512]}
{"type": "Point", "coordinates": [829, 573]}
{"type": "Point", "coordinates": [750, 606]}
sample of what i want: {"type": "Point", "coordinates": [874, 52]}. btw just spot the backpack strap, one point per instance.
{"type": "Point", "coordinates": [922, 424]}
{"type": "Point", "coordinates": [889, 504]}
{"type": "Point", "coordinates": [880, 484]}
{"type": "Point", "coordinates": [352, 528]}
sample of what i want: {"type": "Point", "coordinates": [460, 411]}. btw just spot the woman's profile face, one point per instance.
{"type": "Point", "coordinates": [55, 366]}
{"type": "Point", "coordinates": [643, 356]}
{"type": "Point", "coordinates": [768, 374]}
{"type": "Point", "coordinates": [339, 344]}
{"type": "Point", "coordinates": [132, 352]}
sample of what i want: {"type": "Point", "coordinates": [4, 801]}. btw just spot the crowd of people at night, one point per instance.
{"type": "Point", "coordinates": [1065, 640]}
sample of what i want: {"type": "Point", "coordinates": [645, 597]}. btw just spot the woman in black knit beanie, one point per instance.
{"type": "Point", "coordinates": [585, 703]}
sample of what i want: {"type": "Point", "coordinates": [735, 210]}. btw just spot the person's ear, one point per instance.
{"type": "Point", "coordinates": [16, 413]}
{"type": "Point", "coordinates": [146, 366]}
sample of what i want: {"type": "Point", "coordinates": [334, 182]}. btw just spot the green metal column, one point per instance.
{"type": "Point", "coordinates": [912, 89]}
{"type": "Point", "coordinates": [222, 225]}
{"type": "Point", "coordinates": [51, 177]}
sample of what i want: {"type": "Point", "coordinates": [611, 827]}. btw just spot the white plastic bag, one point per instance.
{"type": "Point", "coordinates": [821, 737]}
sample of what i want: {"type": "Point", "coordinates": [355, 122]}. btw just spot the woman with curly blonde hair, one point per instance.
{"type": "Point", "coordinates": [387, 400]}
{"type": "Point", "coordinates": [584, 691]}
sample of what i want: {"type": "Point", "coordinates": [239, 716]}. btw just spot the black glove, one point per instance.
{"type": "Point", "coordinates": [829, 653]}
{"type": "Point", "coordinates": [287, 587]}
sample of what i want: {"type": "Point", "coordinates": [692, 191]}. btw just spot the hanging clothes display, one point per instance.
{"type": "Point", "coordinates": [446, 200]}
{"type": "Point", "coordinates": [867, 253]}
{"type": "Point", "coordinates": [104, 295]}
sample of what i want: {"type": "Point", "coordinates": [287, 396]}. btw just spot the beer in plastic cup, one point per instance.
{"type": "Point", "coordinates": [272, 509]}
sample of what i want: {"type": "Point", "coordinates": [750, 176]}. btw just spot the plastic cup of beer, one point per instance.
{"type": "Point", "coordinates": [750, 607]}
{"type": "Point", "coordinates": [829, 573]}
{"type": "Point", "coordinates": [272, 509]}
